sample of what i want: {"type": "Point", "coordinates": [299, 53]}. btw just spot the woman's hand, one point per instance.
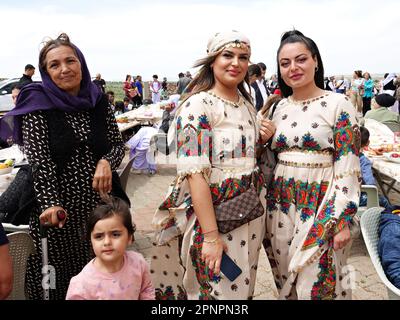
{"type": "Point", "coordinates": [102, 180]}
{"type": "Point", "coordinates": [211, 252]}
{"type": "Point", "coordinates": [267, 130]}
{"type": "Point", "coordinates": [49, 217]}
{"type": "Point", "coordinates": [341, 238]}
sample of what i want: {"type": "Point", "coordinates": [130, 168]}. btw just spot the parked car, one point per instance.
{"type": "Point", "coordinates": [6, 103]}
{"type": "Point", "coordinates": [6, 86]}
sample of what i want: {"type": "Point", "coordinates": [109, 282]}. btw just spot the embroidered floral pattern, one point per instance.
{"type": "Point", "coordinates": [346, 216]}
{"type": "Point", "coordinates": [320, 231]}
{"type": "Point", "coordinates": [192, 141]}
{"type": "Point", "coordinates": [203, 274]}
{"type": "Point", "coordinates": [324, 287]}
{"type": "Point", "coordinates": [281, 143]}
{"type": "Point", "coordinates": [309, 143]}
{"type": "Point", "coordinates": [347, 137]}
{"type": "Point", "coordinates": [169, 294]}
{"type": "Point", "coordinates": [305, 196]}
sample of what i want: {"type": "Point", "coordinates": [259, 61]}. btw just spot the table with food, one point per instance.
{"type": "Point", "coordinates": [142, 115]}
{"type": "Point", "coordinates": [384, 153]}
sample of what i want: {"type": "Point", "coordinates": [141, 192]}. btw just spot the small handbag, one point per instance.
{"type": "Point", "coordinates": [239, 210]}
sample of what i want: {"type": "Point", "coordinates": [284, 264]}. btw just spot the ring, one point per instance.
{"type": "Point", "coordinates": [47, 223]}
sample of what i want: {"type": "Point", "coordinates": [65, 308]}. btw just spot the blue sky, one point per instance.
{"type": "Point", "coordinates": [166, 37]}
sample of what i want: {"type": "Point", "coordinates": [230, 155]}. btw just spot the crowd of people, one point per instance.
{"type": "Point", "coordinates": [221, 208]}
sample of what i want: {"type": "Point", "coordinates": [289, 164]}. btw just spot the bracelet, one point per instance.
{"type": "Point", "coordinates": [212, 241]}
{"type": "Point", "coordinates": [209, 231]}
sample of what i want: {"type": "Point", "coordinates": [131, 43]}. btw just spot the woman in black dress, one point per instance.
{"type": "Point", "coordinates": [73, 144]}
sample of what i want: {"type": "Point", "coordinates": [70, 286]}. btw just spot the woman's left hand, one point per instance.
{"type": "Point", "coordinates": [267, 130]}
{"type": "Point", "coordinates": [341, 238]}
{"type": "Point", "coordinates": [102, 180]}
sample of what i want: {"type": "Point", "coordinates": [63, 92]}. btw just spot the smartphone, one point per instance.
{"type": "Point", "coordinates": [229, 268]}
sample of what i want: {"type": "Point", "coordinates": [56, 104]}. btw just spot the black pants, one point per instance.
{"type": "Point", "coordinates": [366, 105]}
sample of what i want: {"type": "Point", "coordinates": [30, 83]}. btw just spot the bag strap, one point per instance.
{"type": "Point", "coordinates": [273, 109]}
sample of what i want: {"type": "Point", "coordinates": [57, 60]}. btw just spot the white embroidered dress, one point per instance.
{"type": "Point", "coordinates": [215, 138]}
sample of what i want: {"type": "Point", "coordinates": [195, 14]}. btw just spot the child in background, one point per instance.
{"type": "Point", "coordinates": [389, 244]}
{"type": "Point", "coordinates": [114, 274]}
{"type": "Point", "coordinates": [366, 172]}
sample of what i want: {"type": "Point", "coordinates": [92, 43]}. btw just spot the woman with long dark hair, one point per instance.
{"type": "Point", "coordinates": [217, 133]}
{"type": "Point", "coordinates": [315, 189]}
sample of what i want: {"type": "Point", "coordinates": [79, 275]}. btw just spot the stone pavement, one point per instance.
{"type": "Point", "coordinates": [146, 193]}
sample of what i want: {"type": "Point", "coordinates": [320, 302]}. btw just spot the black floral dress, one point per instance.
{"type": "Point", "coordinates": [69, 250]}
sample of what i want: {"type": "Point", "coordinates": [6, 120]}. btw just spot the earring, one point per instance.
{"type": "Point", "coordinates": [316, 68]}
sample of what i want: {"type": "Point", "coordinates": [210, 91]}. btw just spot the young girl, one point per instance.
{"type": "Point", "coordinates": [114, 274]}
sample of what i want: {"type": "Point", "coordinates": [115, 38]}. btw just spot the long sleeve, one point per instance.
{"type": "Point", "coordinates": [366, 171]}
{"type": "Point", "coordinates": [344, 189]}
{"type": "Point", "coordinates": [389, 251]}
{"type": "Point", "coordinates": [36, 145]}
{"type": "Point", "coordinates": [346, 183]}
{"type": "Point", "coordinates": [147, 291]}
{"type": "Point", "coordinates": [115, 156]}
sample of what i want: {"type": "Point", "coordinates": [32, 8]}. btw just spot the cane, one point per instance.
{"type": "Point", "coordinates": [45, 255]}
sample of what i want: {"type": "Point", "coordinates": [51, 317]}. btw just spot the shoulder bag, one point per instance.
{"type": "Point", "coordinates": [241, 209]}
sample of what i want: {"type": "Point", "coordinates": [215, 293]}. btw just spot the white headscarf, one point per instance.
{"type": "Point", "coordinates": [228, 38]}
{"type": "Point", "coordinates": [389, 78]}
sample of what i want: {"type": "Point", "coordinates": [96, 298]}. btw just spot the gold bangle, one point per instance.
{"type": "Point", "coordinates": [210, 231]}
{"type": "Point", "coordinates": [212, 241]}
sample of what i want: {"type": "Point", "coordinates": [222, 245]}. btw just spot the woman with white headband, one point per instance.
{"type": "Point", "coordinates": [217, 134]}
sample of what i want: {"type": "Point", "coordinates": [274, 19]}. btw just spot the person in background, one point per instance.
{"type": "Point", "coordinates": [182, 83]}
{"type": "Point", "coordinates": [366, 172]}
{"type": "Point", "coordinates": [130, 92]}
{"type": "Point", "coordinates": [155, 87]}
{"type": "Point", "coordinates": [380, 111]}
{"type": "Point", "coordinates": [101, 83]}
{"type": "Point", "coordinates": [139, 86]}
{"type": "Point", "coordinates": [368, 92]}
{"type": "Point", "coordinates": [340, 86]}
{"type": "Point", "coordinates": [357, 90]}
{"type": "Point", "coordinates": [262, 83]}
{"type": "Point", "coordinates": [27, 76]}
{"type": "Point", "coordinates": [314, 193]}
{"type": "Point", "coordinates": [127, 105]}
{"type": "Point", "coordinates": [164, 89]}
{"type": "Point", "coordinates": [389, 244]}
{"type": "Point", "coordinates": [111, 99]}
{"type": "Point", "coordinates": [254, 76]}
{"type": "Point", "coordinates": [55, 121]}
{"type": "Point", "coordinates": [388, 84]}
{"type": "Point", "coordinates": [6, 269]}
{"type": "Point", "coordinates": [272, 84]}
{"type": "Point", "coordinates": [189, 75]}
{"type": "Point", "coordinates": [115, 273]}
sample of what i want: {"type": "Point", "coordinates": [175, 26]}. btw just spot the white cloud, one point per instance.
{"type": "Point", "coordinates": [167, 37]}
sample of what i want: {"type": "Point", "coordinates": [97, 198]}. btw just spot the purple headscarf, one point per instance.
{"type": "Point", "coordinates": [46, 96]}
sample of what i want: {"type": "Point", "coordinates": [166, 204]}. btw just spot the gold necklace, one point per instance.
{"type": "Point", "coordinates": [234, 104]}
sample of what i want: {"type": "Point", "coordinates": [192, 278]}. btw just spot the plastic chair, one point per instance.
{"type": "Point", "coordinates": [372, 198]}
{"type": "Point", "coordinates": [21, 246]}
{"type": "Point", "coordinates": [369, 228]}
{"type": "Point", "coordinates": [124, 173]}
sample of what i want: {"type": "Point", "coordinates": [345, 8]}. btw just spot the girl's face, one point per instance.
{"type": "Point", "coordinates": [109, 240]}
{"type": "Point", "coordinates": [64, 68]}
{"type": "Point", "coordinates": [296, 64]}
{"type": "Point", "coordinates": [230, 66]}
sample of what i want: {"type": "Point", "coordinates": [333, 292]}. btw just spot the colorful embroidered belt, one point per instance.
{"type": "Point", "coordinates": [300, 159]}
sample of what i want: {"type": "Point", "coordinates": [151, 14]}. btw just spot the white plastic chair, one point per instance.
{"type": "Point", "coordinates": [369, 228]}
{"type": "Point", "coordinates": [372, 198]}
{"type": "Point", "coordinates": [21, 246]}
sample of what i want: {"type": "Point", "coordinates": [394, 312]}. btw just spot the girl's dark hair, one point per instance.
{"type": "Point", "coordinates": [62, 40]}
{"type": "Point", "coordinates": [106, 209]}
{"type": "Point", "coordinates": [295, 36]}
{"type": "Point", "coordinates": [358, 73]}
{"type": "Point", "coordinates": [204, 80]}
{"type": "Point", "coordinates": [127, 77]}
